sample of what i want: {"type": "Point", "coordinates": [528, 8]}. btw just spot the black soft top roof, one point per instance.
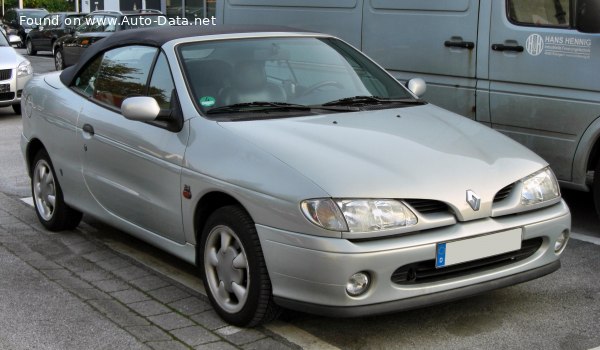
{"type": "Point", "coordinates": [158, 36]}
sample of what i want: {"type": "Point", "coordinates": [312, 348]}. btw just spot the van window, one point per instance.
{"type": "Point", "coordinates": [546, 13]}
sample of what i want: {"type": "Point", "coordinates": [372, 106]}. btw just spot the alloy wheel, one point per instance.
{"type": "Point", "coordinates": [44, 190]}
{"type": "Point", "coordinates": [226, 268]}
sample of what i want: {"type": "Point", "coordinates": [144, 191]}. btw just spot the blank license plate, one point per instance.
{"type": "Point", "coordinates": [4, 88]}
{"type": "Point", "coordinates": [456, 252]}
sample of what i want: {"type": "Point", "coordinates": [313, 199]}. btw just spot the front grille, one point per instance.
{"type": "Point", "coordinates": [5, 74]}
{"type": "Point", "coordinates": [425, 271]}
{"type": "Point", "coordinates": [427, 206]}
{"type": "Point", "coordinates": [7, 96]}
{"type": "Point", "coordinates": [503, 193]}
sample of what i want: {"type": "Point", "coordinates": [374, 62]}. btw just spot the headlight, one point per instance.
{"type": "Point", "coordinates": [358, 215]}
{"type": "Point", "coordinates": [24, 69]}
{"type": "Point", "coordinates": [324, 213]}
{"type": "Point", "coordinates": [539, 187]}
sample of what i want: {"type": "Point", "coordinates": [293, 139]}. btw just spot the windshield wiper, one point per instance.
{"type": "Point", "coordinates": [365, 100]}
{"type": "Point", "coordinates": [258, 106]}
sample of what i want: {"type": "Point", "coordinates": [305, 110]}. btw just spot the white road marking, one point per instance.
{"type": "Point", "coordinates": [28, 200]}
{"type": "Point", "coordinates": [299, 336]}
{"type": "Point", "coordinates": [586, 238]}
{"type": "Point", "coordinates": [228, 330]}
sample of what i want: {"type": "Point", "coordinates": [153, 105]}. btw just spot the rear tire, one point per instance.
{"type": "Point", "coordinates": [233, 269]}
{"type": "Point", "coordinates": [50, 207]}
{"type": "Point", "coordinates": [17, 108]}
{"type": "Point", "coordinates": [596, 188]}
{"type": "Point", "coordinates": [30, 50]}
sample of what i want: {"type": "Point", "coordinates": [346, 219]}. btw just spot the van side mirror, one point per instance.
{"type": "Point", "coordinates": [417, 86]}
{"type": "Point", "coordinates": [587, 16]}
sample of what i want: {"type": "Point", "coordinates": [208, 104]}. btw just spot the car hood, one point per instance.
{"type": "Point", "coordinates": [9, 58]}
{"type": "Point", "coordinates": [420, 152]}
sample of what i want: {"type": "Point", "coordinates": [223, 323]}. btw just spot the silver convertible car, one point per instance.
{"type": "Point", "coordinates": [291, 169]}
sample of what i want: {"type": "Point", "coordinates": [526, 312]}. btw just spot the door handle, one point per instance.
{"type": "Point", "coordinates": [88, 129]}
{"type": "Point", "coordinates": [502, 47]}
{"type": "Point", "coordinates": [460, 44]}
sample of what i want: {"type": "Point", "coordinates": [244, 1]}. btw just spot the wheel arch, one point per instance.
{"type": "Point", "coordinates": [586, 155]}
{"type": "Point", "coordinates": [207, 205]}
{"type": "Point", "coordinates": [34, 146]}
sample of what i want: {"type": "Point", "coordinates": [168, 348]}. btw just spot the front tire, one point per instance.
{"type": "Point", "coordinates": [30, 50]}
{"type": "Point", "coordinates": [59, 60]}
{"type": "Point", "coordinates": [50, 207]}
{"type": "Point", "coordinates": [17, 108]}
{"type": "Point", "coordinates": [234, 271]}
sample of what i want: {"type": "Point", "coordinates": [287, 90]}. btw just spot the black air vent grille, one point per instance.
{"type": "Point", "coordinates": [427, 206]}
{"type": "Point", "coordinates": [503, 193]}
{"type": "Point", "coordinates": [5, 74]}
{"type": "Point", "coordinates": [425, 271]}
{"type": "Point", "coordinates": [7, 96]}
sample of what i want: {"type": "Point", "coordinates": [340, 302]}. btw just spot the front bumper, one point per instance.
{"type": "Point", "coordinates": [17, 84]}
{"type": "Point", "coordinates": [310, 273]}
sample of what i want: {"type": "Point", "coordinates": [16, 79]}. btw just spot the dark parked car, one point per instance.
{"type": "Point", "coordinates": [98, 25]}
{"type": "Point", "coordinates": [52, 27]}
{"type": "Point", "coordinates": [21, 21]}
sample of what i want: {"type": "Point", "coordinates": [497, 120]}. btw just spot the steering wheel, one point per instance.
{"type": "Point", "coordinates": [320, 85]}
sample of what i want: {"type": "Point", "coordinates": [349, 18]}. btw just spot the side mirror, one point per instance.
{"type": "Point", "coordinates": [417, 86]}
{"type": "Point", "coordinates": [140, 108]}
{"type": "Point", "coordinates": [587, 16]}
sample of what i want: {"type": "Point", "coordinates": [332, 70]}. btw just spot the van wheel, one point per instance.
{"type": "Point", "coordinates": [596, 187]}
{"type": "Point", "coordinates": [50, 207]}
{"type": "Point", "coordinates": [233, 269]}
{"type": "Point", "coordinates": [30, 50]}
{"type": "Point", "coordinates": [17, 108]}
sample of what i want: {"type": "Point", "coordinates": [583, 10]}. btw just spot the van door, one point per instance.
{"type": "Point", "coordinates": [544, 78]}
{"type": "Point", "coordinates": [435, 40]}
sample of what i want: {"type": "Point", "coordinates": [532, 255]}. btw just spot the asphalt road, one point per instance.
{"type": "Point", "coordinates": [559, 311]}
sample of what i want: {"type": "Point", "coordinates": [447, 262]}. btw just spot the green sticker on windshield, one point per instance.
{"type": "Point", "coordinates": [207, 101]}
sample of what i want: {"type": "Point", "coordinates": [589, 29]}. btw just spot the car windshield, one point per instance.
{"type": "Point", "coordinates": [288, 75]}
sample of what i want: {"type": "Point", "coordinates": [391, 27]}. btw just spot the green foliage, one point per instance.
{"type": "Point", "coordinates": [50, 5]}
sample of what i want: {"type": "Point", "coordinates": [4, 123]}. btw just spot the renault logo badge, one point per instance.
{"type": "Point", "coordinates": [474, 200]}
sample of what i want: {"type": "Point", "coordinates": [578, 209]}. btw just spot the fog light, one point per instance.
{"type": "Point", "coordinates": [561, 241]}
{"type": "Point", "coordinates": [358, 284]}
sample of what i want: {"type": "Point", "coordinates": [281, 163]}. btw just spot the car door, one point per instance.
{"type": "Point", "coordinates": [543, 76]}
{"type": "Point", "coordinates": [132, 169]}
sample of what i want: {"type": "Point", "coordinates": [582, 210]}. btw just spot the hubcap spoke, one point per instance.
{"type": "Point", "coordinates": [225, 240]}
{"type": "Point", "coordinates": [51, 200]}
{"type": "Point", "coordinates": [240, 261]}
{"type": "Point", "coordinates": [213, 258]}
{"type": "Point", "coordinates": [222, 291]}
{"type": "Point", "coordinates": [49, 179]}
{"type": "Point", "coordinates": [239, 291]}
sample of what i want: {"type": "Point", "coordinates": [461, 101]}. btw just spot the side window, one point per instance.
{"type": "Point", "coordinates": [548, 13]}
{"type": "Point", "coordinates": [161, 85]}
{"type": "Point", "coordinates": [123, 73]}
{"type": "Point", "coordinates": [86, 80]}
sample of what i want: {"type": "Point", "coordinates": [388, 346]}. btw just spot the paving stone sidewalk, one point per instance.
{"type": "Point", "coordinates": [67, 290]}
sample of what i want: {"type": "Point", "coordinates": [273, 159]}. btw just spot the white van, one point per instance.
{"type": "Point", "coordinates": [527, 68]}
